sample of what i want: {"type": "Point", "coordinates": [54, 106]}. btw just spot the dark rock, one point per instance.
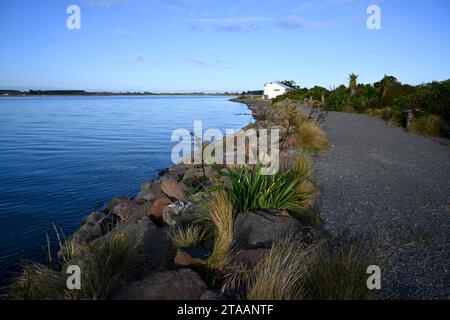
{"type": "Point", "coordinates": [150, 191]}
{"type": "Point", "coordinates": [251, 257]}
{"type": "Point", "coordinates": [122, 207]}
{"type": "Point", "coordinates": [181, 212]}
{"type": "Point", "coordinates": [260, 229]}
{"type": "Point", "coordinates": [191, 256]}
{"type": "Point", "coordinates": [173, 189]}
{"type": "Point", "coordinates": [177, 171]}
{"type": "Point", "coordinates": [93, 217]}
{"type": "Point", "coordinates": [109, 222]}
{"type": "Point", "coordinates": [140, 229]}
{"type": "Point", "coordinates": [90, 229]}
{"type": "Point", "coordinates": [182, 284]}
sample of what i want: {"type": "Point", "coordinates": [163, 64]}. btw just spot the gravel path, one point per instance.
{"type": "Point", "coordinates": [393, 188]}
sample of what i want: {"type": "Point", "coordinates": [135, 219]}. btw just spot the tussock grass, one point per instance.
{"type": "Point", "coordinates": [249, 190]}
{"type": "Point", "coordinates": [109, 265]}
{"type": "Point", "coordinates": [338, 272]}
{"type": "Point", "coordinates": [184, 237]}
{"type": "Point", "coordinates": [103, 268]}
{"type": "Point", "coordinates": [349, 109]}
{"type": "Point", "coordinates": [219, 216]}
{"type": "Point", "coordinates": [311, 137]}
{"type": "Point", "coordinates": [39, 282]}
{"type": "Point", "coordinates": [304, 171]}
{"type": "Point", "coordinates": [429, 125]}
{"type": "Point", "coordinates": [278, 277]}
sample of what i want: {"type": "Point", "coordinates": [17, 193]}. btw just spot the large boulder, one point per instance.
{"type": "Point", "coordinates": [155, 211]}
{"type": "Point", "coordinates": [123, 207]}
{"type": "Point", "coordinates": [90, 229]}
{"type": "Point", "coordinates": [181, 212]}
{"type": "Point", "coordinates": [182, 284]}
{"type": "Point", "coordinates": [261, 228]}
{"type": "Point", "coordinates": [150, 191]}
{"type": "Point", "coordinates": [141, 230]}
{"type": "Point", "coordinates": [173, 188]}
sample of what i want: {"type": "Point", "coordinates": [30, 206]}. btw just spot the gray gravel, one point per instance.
{"type": "Point", "coordinates": [393, 188]}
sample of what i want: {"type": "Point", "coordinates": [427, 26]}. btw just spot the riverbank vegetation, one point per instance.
{"type": "Point", "coordinates": [428, 104]}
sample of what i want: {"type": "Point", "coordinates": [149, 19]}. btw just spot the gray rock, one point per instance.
{"type": "Point", "coordinates": [260, 229]}
{"type": "Point", "coordinates": [173, 188]}
{"type": "Point", "coordinates": [93, 217]}
{"type": "Point", "coordinates": [150, 191]}
{"type": "Point", "coordinates": [140, 229]}
{"type": "Point", "coordinates": [122, 207]}
{"type": "Point", "coordinates": [181, 212]}
{"type": "Point", "coordinates": [182, 284]}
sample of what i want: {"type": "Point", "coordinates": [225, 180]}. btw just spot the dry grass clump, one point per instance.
{"type": "Point", "coordinates": [103, 268]}
{"type": "Point", "coordinates": [219, 215]}
{"type": "Point", "coordinates": [338, 273]}
{"type": "Point", "coordinates": [303, 169]}
{"type": "Point", "coordinates": [38, 282]}
{"type": "Point", "coordinates": [311, 137]}
{"type": "Point", "coordinates": [184, 237]}
{"type": "Point", "coordinates": [349, 109]}
{"type": "Point", "coordinates": [109, 265]}
{"type": "Point", "coordinates": [278, 277]}
{"type": "Point", "coordinates": [429, 125]}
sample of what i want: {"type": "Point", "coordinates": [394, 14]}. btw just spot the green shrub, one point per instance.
{"type": "Point", "coordinates": [429, 125]}
{"type": "Point", "coordinates": [249, 190]}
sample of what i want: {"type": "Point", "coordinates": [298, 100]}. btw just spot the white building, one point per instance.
{"type": "Point", "coordinates": [275, 89]}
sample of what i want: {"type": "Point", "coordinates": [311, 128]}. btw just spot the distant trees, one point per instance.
{"type": "Point", "coordinates": [384, 85]}
{"type": "Point", "coordinates": [290, 83]}
{"type": "Point", "coordinates": [352, 83]}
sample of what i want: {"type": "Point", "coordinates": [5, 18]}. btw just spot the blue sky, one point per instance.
{"type": "Point", "coordinates": [209, 45]}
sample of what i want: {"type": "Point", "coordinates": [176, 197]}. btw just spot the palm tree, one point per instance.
{"type": "Point", "coordinates": [352, 83]}
{"type": "Point", "coordinates": [385, 84]}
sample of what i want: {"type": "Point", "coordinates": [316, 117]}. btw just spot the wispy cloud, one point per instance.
{"type": "Point", "coordinates": [294, 22]}
{"type": "Point", "coordinates": [234, 24]}
{"type": "Point", "coordinates": [104, 3]}
{"type": "Point", "coordinates": [290, 22]}
{"type": "Point", "coordinates": [204, 64]}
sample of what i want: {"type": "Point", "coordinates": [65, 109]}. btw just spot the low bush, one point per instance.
{"type": "Point", "coordinates": [337, 272]}
{"type": "Point", "coordinates": [429, 125]}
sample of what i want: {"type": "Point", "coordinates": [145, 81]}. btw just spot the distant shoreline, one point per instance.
{"type": "Point", "coordinates": [51, 93]}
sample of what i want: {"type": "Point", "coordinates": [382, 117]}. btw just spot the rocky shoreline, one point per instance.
{"type": "Point", "coordinates": [168, 204]}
